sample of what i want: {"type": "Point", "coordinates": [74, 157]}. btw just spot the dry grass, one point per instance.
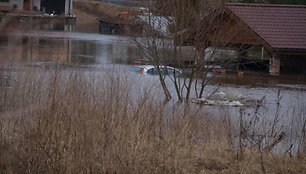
{"type": "Point", "coordinates": [69, 122]}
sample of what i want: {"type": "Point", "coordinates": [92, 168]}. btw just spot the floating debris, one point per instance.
{"type": "Point", "coordinates": [228, 99]}
{"type": "Point", "coordinates": [218, 102]}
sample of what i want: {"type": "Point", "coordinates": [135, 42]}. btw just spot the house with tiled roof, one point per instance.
{"type": "Point", "coordinates": [279, 29]}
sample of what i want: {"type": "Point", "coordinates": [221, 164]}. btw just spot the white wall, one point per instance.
{"type": "Point", "coordinates": [37, 4]}
{"type": "Point", "coordinates": [19, 4]}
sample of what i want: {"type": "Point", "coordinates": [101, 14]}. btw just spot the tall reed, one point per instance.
{"type": "Point", "coordinates": [68, 121]}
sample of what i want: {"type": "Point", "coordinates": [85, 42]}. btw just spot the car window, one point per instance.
{"type": "Point", "coordinates": [175, 71]}
{"type": "Point", "coordinates": [171, 71]}
{"type": "Point", "coordinates": [137, 69]}
{"type": "Point", "coordinates": [163, 71]}
{"type": "Point", "coordinates": [152, 71]}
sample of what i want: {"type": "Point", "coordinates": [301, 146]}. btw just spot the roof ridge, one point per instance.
{"type": "Point", "coordinates": [266, 5]}
{"type": "Point", "coordinates": [287, 34]}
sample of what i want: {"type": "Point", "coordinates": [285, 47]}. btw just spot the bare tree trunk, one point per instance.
{"type": "Point", "coordinates": [167, 93]}
{"type": "Point", "coordinates": [187, 27]}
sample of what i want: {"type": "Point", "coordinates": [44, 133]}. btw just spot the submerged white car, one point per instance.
{"type": "Point", "coordinates": [153, 70]}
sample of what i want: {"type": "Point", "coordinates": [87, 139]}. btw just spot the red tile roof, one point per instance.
{"type": "Point", "coordinates": [281, 26]}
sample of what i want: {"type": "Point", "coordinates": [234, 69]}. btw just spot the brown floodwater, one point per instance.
{"type": "Point", "coordinates": [284, 97]}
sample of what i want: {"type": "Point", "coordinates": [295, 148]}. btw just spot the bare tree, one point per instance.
{"type": "Point", "coordinates": [199, 24]}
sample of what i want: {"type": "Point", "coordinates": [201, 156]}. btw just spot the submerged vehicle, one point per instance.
{"type": "Point", "coordinates": [154, 70]}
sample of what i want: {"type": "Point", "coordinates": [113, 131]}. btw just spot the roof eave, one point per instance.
{"type": "Point", "coordinates": [291, 51]}
{"type": "Point", "coordinates": [262, 41]}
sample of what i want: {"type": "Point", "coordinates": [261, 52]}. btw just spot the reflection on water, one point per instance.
{"type": "Point", "coordinates": [71, 49]}
{"type": "Point", "coordinates": [95, 49]}
{"type": "Point", "coordinates": [53, 48]}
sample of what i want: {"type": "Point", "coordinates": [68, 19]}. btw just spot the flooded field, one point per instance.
{"type": "Point", "coordinates": [97, 57]}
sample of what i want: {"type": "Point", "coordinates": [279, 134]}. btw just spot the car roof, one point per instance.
{"type": "Point", "coordinates": [152, 66]}
{"type": "Point", "coordinates": [147, 67]}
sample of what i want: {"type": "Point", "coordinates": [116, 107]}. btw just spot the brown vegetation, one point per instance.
{"type": "Point", "coordinates": [66, 122]}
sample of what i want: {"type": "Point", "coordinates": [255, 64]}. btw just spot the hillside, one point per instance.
{"type": "Point", "coordinates": [88, 13]}
{"type": "Point", "coordinates": [99, 9]}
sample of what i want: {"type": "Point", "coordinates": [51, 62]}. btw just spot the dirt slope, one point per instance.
{"type": "Point", "coordinates": [101, 9]}
{"type": "Point", "coordinates": [85, 22]}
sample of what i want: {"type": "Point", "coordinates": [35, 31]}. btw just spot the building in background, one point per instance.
{"type": "Point", "coordinates": [4, 6]}
{"type": "Point", "coordinates": [54, 7]}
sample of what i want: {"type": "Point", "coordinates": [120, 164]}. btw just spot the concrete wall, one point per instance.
{"type": "Point", "coordinates": [19, 3]}
{"type": "Point", "coordinates": [36, 3]}
{"type": "Point", "coordinates": [68, 7]}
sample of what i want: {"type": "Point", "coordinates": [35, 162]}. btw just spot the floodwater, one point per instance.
{"type": "Point", "coordinates": [284, 97]}
{"type": "Point", "coordinates": [66, 48]}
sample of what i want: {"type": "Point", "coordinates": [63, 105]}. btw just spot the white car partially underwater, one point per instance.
{"type": "Point", "coordinates": [153, 70]}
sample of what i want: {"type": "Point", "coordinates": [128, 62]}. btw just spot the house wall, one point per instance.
{"type": "Point", "coordinates": [19, 4]}
{"type": "Point", "coordinates": [4, 6]}
{"type": "Point", "coordinates": [293, 64]}
{"type": "Point", "coordinates": [36, 4]}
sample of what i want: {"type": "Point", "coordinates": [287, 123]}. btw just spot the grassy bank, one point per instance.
{"type": "Point", "coordinates": [56, 121]}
